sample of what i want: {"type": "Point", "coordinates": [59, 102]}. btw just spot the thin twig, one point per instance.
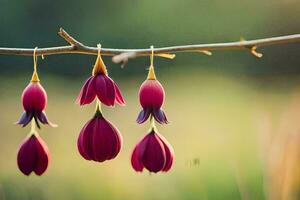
{"type": "Point", "coordinates": [79, 48]}
{"type": "Point", "coordinates": [69, 38]}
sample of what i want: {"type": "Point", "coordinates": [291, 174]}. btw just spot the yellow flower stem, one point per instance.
{"type": "Point", "coordinates": [99, 66]}
{"type": "Point", "coordinates": [33, 128]}
{"type": "Point", "coordinates": [152, 122]}
{"type": "Point", "coordinates": [151, 73]}
{"type": "Point", "coordinates": [35, 77]}
{"type": "Point", "coordinates": [98, 106]}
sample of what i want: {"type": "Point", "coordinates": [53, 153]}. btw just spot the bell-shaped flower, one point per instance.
{"type": "Point", "coordinates": [99, 139]}
{"type": "Point", "coordinates": [34, 100]}
{"type": "Point", "coordinates": [33, 156]}
{"type": "Point", "coordinates": [152, 97]}
{"type": "Point", "coordinates": [154, 153]}
{"type": "Point", "coordinates": [100, 85]}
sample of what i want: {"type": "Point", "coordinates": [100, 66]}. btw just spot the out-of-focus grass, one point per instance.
{"type": "Point", "coordinates": [213, 130]}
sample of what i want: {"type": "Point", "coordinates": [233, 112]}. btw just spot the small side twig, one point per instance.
{"type": "Point", "coordinates": [69, 38]}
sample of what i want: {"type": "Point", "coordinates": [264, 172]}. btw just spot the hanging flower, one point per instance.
{"type": "Point", "coordinates": [100, 85]}
{"type": "Point", "coordinates": [34, 99]}
{"type": "Point", "coordinates": [99, 139]}
{"type": "Point", "coordinates": [33, 156]}
{"type": "Point", "coordinates": [154, 153]}
{"type": "Point", "coordinates": [152, 97]}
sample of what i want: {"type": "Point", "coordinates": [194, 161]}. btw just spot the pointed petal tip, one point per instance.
{"type": "Point", "coordinates": [170, 155]}
{"type": "Point", "coordinates": [160, 116]}
{"type": "Point", "coordinates": [25, 173]}
{"type": "Point", "coordinates": [143, 116]}
{"type": "Point", "coordinates": [122, 103]}
{"type": "Point", "coordinates": [119, 97]}
{"type": "Point", "coordinates": [87, 93]}
{"type": "Point", "coordinates": [80, 103]}
{"type": "Point", "coordinates": [25, 119]}
{"type": "Point", "coordinates": [53, 125]}
{"type": "Point", "coordinates": [42, 117]}
{"type": "Point", "coordinates": [138, 170]}
{"type": "Point", "coordinates": [135, 162]}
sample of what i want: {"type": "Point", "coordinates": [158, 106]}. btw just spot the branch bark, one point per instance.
{"type": "Point", "coordinates": [77, 47]}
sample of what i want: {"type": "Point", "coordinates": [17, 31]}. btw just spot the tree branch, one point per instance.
{"type": "Point", "coordinates": [124, 54]}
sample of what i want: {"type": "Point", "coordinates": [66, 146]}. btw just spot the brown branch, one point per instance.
{"type": "Point", "coordinates": [79, 48]}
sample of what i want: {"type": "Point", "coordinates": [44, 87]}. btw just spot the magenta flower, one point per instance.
{"type": "Point", "coordinates": [34, 99]}
{"type": "Point", "coordinates": [152, 97]}
{"type": "Point", "coordinates": [154, 153]}
{"type": "Point", "coordinates": [99, 139]}
{"type": "Point", "coordinates": [33, 156]}
{"type": "Point", "coordinates": [100, 85]}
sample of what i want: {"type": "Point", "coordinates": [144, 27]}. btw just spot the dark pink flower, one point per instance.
{"type": "Point", "coordinates": [34, 99]}
{"type": "Point", "coordinates": [154, 153]}
{"type": "Point", "coordinates": [99, 139]}
{"type": "Point", "coordinates": [33, 156]}
{"type": "Point", "coordinates": [152, 97]}
{"type": "Point", "coordinates": [100, 85]}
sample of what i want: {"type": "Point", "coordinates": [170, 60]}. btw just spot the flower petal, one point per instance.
{"type": "Point", "coordinates": [27, 156]}
{"type": "Point", "coordinates": [116, 143]}
{"type": "Point", "coordinates": [42, 155]}
{"type": "Point", "coordinates": [154, 157]}
{"type": "Point", "coordinates": [25, 118]}
{"type": "Point", "coordinates": [34, 97]}
{"type": "Point", "coordinates": [138, 153]}
{"type": "Point", "coordinates": [169, 153]}
{"type": "Point", "coordinates": [101, 136]}
{"type": "Point", "coordinates": [135, 160]}
{"type": "Point", "coordinates": [143, 116]}
{"type": "Point", "coordinates": [119, 98]}
{"type": "Point", "coordinates": [151, 94]}
{"type": "Point", "coordinates": [85, 140]}
{"type": "Point", "coordinates": [87, 93]}
{"type": "Point", "coordinates": [160, 116]}
{"type": "Point", "coordinates": [44, 120]}
{"type": "Point", "coordinates": [106, 141]}
{"type": "Point", "coordinates": [81, 145]}
{"type": "Point", "coordinates": [105, 89]}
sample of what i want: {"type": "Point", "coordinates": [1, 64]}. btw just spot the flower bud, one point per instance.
{"type": "Point", "coordinates": [33, 156]}
{"type": "Point", "coordinates": [154, 153]}
{"type": "Point", "coordinates": [34, 100]}
{"type": "Point", "coordinates": [152, 97]}
{"type": "Point", "coordinates": [34, 97]}
{"type": "Point", "coordinates": [99, 140]}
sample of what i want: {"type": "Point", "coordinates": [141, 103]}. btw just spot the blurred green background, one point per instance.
{"type": "Point", "coordinates": [234, 118]}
